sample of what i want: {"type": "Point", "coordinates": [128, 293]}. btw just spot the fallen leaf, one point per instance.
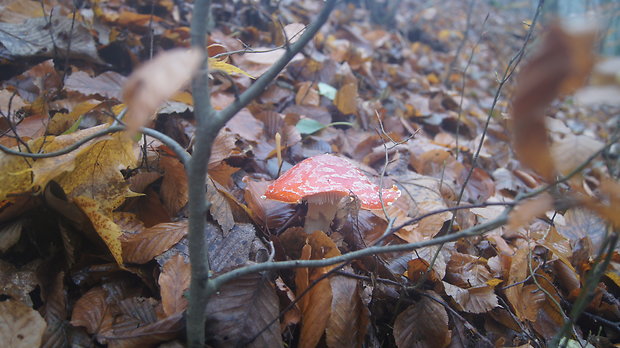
{"type": "Point", "coordinates": [423, 324]}
{"type": "Point", "coordinates": [240, 310]}
{"type": "Point", "coordinates": [20, 325]}
{"type": "Point", "coordinates": [142, 247]}
{"type": "Point", "coordinates": [108, 84]}
{"type": "Point", "coordinates": [348, 321]}
{"type": "Point", "coordinates": [173, 282]}
{"type": "Point", "coordinates": [109, 232]}
{"type": "Point", "coordinates": [346, 99]}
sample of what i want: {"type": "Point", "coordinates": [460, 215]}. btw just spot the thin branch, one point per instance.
{"type": "Point", "coordinates": [209, 123]}
{"type": "Point", "coordinates": [473, 231]}
{"type": "Point", "coordinates": [197, 174]}
{"type": "Point", "coordinates": [261, 84]}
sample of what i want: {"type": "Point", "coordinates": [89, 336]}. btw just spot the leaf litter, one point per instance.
{"type": "Point", "coordinates": [93, 242]}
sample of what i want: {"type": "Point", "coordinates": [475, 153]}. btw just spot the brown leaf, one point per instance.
{"type": "Point", "coordinates": [55, 313]}
{"type": "Point", "coordinates": [571, 151]}
{"type": "Point", "coordinates": [525, 299]}
{"type": "Point", "coordinates": [173, 282]}
{"type": "Point", "coordinates": [107, 85]}
{"type": "Point", "coordinates": [346, 99]}
{"type": "Point", "coordinates": [424, 324]}
{"type": "Point", "coordinates": [307, 95]}
{"type": "Point", "coordinates": [156, 81]}
{"type": "Point", "coordinates": [316, 303]}
{"type": "Point", "coordinates": [265, 212]}
{"type": "Point", "coordinates": [220, 207]}
{"type": "Point", "coordinates": [92, 311]}
{"type": "Point", "coordinates": [174, 187]}
{"type": "Point", "coordinates": [473, 300]}
{"type": "Point", "coordinates": [466, 271]}
{"type": "Point", "coordinates": [20, 325]}
{"type": "Point", "coordinates": [240, 310]}
{"type": "Point", "coordinates": [144, 246]}
{"type": "Point", "coordinates": [349, 317]}
{"type": "Point", "coordinates": [527, 211]}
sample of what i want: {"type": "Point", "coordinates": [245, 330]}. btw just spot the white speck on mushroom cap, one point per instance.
{"type": "Point", "coordinates": [328, 174]}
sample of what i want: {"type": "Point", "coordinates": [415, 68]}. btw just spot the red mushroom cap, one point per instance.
{"type": "Point", "coordinates": [328, 174]}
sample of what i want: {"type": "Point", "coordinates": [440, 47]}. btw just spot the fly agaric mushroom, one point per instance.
{"type": "Point", "coordinates": [322, 181]}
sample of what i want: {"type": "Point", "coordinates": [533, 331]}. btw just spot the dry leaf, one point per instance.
{"type": "Point", "coordinates": [144, 246]}
{"type": "Point", "coordinates": [20, 325]}
{"type": "Point", "coordinates": [422, 325]}
{"type": "Point", "coordinates": [155, 82]}
{"type": "Point", "coordinates": [349, 316]}
{"type": "Point", "coordinates": [173, 282]}
{"type": "Point", "coordinates": [572, 151]}
{"type": "Point", "coordinates": [240, 310]}
{"type": "Point", "coordinates": [346, 99]}
{"type": "Point", "coordinates": [103, 224]}
{"type": "Point", "coordinates": [473, 300]}
{"type": "Point", "coordinates": [316, 303]}
{"type": "Point", "coordinates": [527, 211]}
{"type": "Point", "coordinates": [108, 85]}
{"type": "Point", "coordinates": [174, 187]}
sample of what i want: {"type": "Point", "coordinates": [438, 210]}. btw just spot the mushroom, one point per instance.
{"type": "Point", "coordinates": [322, 181]}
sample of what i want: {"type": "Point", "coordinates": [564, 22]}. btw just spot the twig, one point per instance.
{"type": "Point", "coordinates": [470, 8]}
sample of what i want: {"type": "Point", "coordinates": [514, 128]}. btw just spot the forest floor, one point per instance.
{"type": "Point", "coordinates": [495, 123]}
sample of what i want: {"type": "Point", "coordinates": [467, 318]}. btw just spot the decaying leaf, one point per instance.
{"type": "Point", "coordinates": [20, 325]}
{"type": "Point", "coordinates": [109, 84]}
{"type": "Point", "coordinates": [174, 187]}
{"type": "Point", "coordinates": [109, 231]}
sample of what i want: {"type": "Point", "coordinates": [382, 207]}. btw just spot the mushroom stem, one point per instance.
{"type": "Point", "coordinates": [320, 216]}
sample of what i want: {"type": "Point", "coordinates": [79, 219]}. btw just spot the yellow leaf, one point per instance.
{"type": "Point", "coordinates": [19, 174]}
{"type": "Point", "coordinates": [62, 121]}
{"type": "Point", "coordinates": [97, 172]}
{"type": "Point", "coordinates": [346, 99]}
{"type": "Point", "coordinates": [219, 65]}
{"type": "Point", "coordinates": [109, 231]}
{"type": "Point", "coordinates": [493, 282]}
